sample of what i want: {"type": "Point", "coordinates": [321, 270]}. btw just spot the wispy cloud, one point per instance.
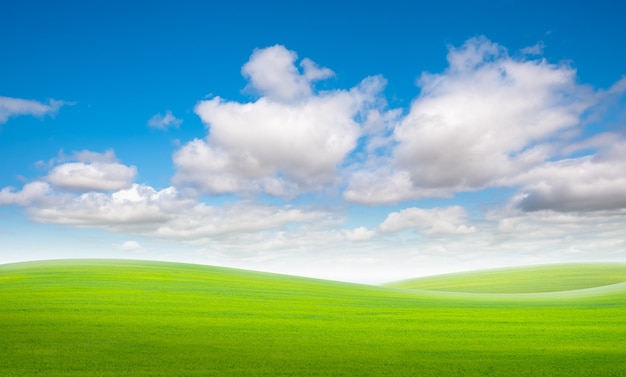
{"type": "Point", "coordinates": [164, 121]}
{"type": "Point", "coordinates": [536, 49]}
{"type": "Point", "coordinates": [450, 220]}
{"type": "Point", "coordinates": [12, 107]}
{"type": "Point", "coordinates": [130, 246]}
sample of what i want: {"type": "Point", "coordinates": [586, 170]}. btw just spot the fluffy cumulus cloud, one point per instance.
{"type": "Point", "coordinates": [291, 139]}
{"type": "Point", "coordinates": [449, 220]}
{"type": "Point", "coordinates": [487, 117]}
{"type": "Point", "coordinates": [92, 172]}
{"type": "Point", "coordinates": [273, 74]}
{"type": "Point", "coordinates": [30, 193]}
{"type": "Point", "coordinates": [588, 183]}
{"type": "Point", "coordinates": [164, 121]}
{"type": "Point", "coordinates": [11, 107]}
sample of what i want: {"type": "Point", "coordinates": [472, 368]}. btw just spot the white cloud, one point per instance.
{"type": "Point", "coordinates": [359, 234]}
{"type": "Point", "coordinates": [537, 237]}
{"type": "Point", "coordinates": [92, 177]}
{"type": "Point", "coordinates": [92, 172]}
{"type": "Point", "coordinates": [166, 213]}
{"type": "Point", "coordinates": [536, 49]}
{"type": "Point", "coordinates": [273, 74]}
{"type": "Point", "coordinates": [275, 145]}
{"type": "Point", "coordinates": [90, 156]}
{"type": "Point", "coordinates": [164, 121]}
{"type": "Point", "coordinates": [251, 141]}
{"type": "Point", "coordinates": [589, 183]}
{"type": "Point", "coordinates": [479, 120]}
{"type": "Point", "coordinates": [547, 230]}
{"type": "Point", "coordinates": [141, 209]}
{"type": "Point", "coordinates": [240, 218]}
{"type": "Point", "coordinates": [11, 107]}
{"type": "Point", "coordinates": [130, 246]}
{"type": "Point", "coordinates": [134, 209]}
{"type": "Point", "coordinates": [382, 185]}
{"type": "Point", "coordinates": [449, 220]}
{"type": "Point", "coordinates": [312, 72]}
{"type": "Point", "coordinates": [30, 193]}
{"type": "Point", "coordinates": [487, 117]}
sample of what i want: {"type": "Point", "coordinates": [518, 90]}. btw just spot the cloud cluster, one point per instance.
{"type": "Point", "coordinates": [95, 190]}
{"type": "Point", "coordinates": [487, 117]}
{"type": "Point", "coordinates": [489, 120]}
{"type": "Point", "coordinates": [163, 213]}
{"type": "Point", "coordinates": [291, 139]}
{"type": "Point", "coordinates": [166, 213]}
{"type": "Point", "coordinates": [84, 171]}
{"type": "Point", "coordinates": [11, 107]}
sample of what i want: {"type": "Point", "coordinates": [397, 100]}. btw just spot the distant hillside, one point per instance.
{"type": "Point", "coordinates": [528, 279]}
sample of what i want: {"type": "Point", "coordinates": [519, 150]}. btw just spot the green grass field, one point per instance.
{"type": "Point", "coordinates": [132, 318]}
{"type": "Point", "coordinates": [531, 279]}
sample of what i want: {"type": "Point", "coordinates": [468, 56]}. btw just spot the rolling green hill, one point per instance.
{"type": "Point", "coordinates": [137, 318]}
{"type": "Point", "coordinates": [530, 279]}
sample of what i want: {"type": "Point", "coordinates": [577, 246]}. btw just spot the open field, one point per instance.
{"type": "Point", "coordinates": [132, 318]}
{"type": "Point", "coordinates": [531, 279]}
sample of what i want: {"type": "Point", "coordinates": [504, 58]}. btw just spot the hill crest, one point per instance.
{"type": "Point", "coordinates": [524, 279]}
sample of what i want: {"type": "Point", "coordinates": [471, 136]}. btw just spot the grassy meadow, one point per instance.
{"type": "Point", "coordinates": [528, 279]}
{"type": "Point", "coordinates": [138, 318]}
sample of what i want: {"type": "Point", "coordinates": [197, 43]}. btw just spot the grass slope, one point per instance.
{"type": "Point", "coordinates": [125, 318]}
{"type": "Point", "coordinates": [530, 279]}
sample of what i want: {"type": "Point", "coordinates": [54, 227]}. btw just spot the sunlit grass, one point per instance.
{"type": "Point", "coordinates": [115, 318]}
{"type": "Point", "coordinates": [532, 279]}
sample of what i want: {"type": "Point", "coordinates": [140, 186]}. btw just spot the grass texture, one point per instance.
{"type": "Point", "coordinates": [137, 318]}
{"type": "Point", "coordinates": [531, 279]}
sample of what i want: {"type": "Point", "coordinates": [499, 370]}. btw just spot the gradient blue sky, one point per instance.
{"type": "Point", "coordinates": [363, 143]}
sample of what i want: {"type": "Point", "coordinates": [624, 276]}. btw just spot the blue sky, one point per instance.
{"type": "Point", "coordinates": [363, 143]}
